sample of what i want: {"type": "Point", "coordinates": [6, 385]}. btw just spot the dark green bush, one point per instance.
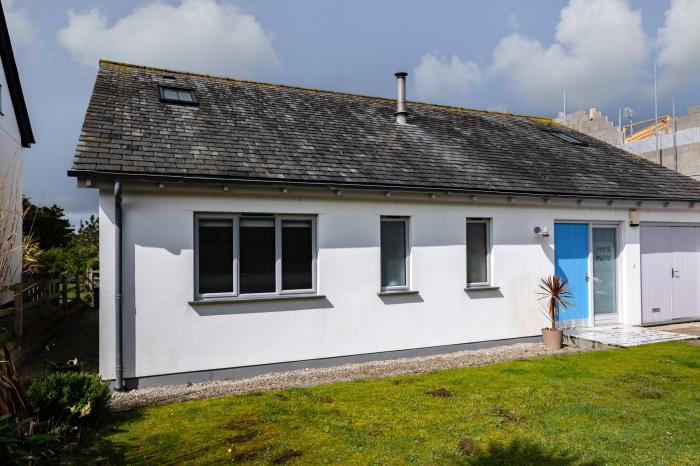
{"type": "Point", "coordinates": [73, 398]}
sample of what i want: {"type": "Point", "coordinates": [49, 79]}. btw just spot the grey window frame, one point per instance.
{"type": "Point", "coordinates": [489, 225]}
{"type": "Point", "coordinates": [235, 218]}
{"type": "Point", "coordinates": [407, 249]}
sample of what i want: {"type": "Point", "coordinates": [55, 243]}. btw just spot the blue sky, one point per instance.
{"type": "Point", "coordinates": [504, 55]}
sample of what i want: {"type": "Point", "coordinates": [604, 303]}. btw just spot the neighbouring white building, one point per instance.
{"type": "Point", "coordinates": [249, 227]}
{"type": "Point", "coordinates": [15, 135]}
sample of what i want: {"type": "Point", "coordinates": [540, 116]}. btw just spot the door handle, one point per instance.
{"type": "Point", "coordinates": [675, 273]}
{"type": "Point", "coordinates": [587, 277]}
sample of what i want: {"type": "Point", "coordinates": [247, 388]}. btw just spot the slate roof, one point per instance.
{"type": "Point", "coordinates": [245, 131]}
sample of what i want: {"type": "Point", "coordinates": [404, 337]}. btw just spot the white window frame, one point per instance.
{"type": "Point", "coordinates": [489, 225]}
{"type": "Point", "coordinates": [235, 218]}
{"type": "Point", "coordinates": [407, 248]}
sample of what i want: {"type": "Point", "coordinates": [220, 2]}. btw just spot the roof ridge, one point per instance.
{"type": "Point", "coordinates": [326, 91]}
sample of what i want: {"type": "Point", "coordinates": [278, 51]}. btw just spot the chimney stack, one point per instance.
{"type": "Point", "coordinates": [401, 112]}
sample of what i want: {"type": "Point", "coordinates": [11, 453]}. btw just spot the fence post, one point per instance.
{"type": "Point", "coordinates": [64, 292]}
{"type": "Point", "coordinates": [77, 288]}
{"type": "Point", "coordinates": [19, 314]}
{"type": "Point", "coordinates": [45, 293]}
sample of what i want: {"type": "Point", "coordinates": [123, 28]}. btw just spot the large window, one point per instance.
{"type": "Point", "coordinates": [254, 255]}
{"type": "Point", "coordinates": [478, 252]}
{"type": "Point", "coordinates": [394, 253]}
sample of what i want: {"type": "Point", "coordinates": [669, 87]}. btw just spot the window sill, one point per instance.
{"type": "Point", "coordinates": [481, 288]}
{"type": "Point", "coordinates": [396, 292]}
{"type": "Point", "coordinates": [254, 299]}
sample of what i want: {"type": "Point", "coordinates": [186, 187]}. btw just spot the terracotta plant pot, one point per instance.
{"type": "Point", "coordinates": [552, 338]}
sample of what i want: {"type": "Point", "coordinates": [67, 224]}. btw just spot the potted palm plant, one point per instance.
{"type": "Point", "coordinates": [556, 293]}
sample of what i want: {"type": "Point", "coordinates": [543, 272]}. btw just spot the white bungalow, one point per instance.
{"type": "Point", "coordinates": [249, 227]}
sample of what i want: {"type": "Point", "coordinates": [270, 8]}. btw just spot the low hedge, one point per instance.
{"type": "Point", "coordinates": [72, 398]}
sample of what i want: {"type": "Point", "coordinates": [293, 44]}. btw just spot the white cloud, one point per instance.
{"type": "Point", "coordinates": [22, 29]}
{"type": "Point", "coordinates": [196, 35]}
{"type": "Point", "coordinates": [599, 49]}
{"type": "Point", "coordinates": [679, 45]}
{"type": "Point", "coordinates": [437, 78]}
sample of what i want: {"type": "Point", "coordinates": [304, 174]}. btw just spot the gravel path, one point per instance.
{"type": "Point", "coordinates": [310, 377]}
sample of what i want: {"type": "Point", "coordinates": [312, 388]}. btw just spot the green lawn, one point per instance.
{"type": "Point", "coordinates": [625, 406]}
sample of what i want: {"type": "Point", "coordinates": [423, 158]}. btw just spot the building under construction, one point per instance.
{"type": "Point", "coordinates": [673, 142]}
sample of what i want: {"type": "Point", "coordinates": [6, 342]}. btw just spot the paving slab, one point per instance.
{"type": "Point", "coordinates": [688, 328]}
{"type": "Point", "coordinates": [621, 336]}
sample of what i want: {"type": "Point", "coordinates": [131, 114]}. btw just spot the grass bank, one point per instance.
{"type": "Point", "coordinates": [626, 406]}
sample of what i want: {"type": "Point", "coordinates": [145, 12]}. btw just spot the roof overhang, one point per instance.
{"type": "Point", "coordinates": [13, 84]}
{"type": "Point", "coordinates": [98, 175]}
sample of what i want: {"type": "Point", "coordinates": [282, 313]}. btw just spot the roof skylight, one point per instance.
{"type": "Point", "coordinates": [568, 138]}
{"type": "Point", "coordinates": [177, 95]}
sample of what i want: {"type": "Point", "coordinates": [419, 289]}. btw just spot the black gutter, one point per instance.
{"type": "Point", "coordinates": [13, 84]}
{"type": "Point", "coordinates": [118, 367]}
{"type": "Point", "coordinates": [109, 175]}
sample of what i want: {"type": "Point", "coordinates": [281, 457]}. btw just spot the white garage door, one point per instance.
{"type": "Point", "coordinates": [670, 273]}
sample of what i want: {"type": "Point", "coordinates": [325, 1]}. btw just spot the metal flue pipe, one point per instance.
{"type": "Point", "coordinates": [401, 113]}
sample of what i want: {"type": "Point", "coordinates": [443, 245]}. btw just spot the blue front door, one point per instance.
{"type": "Point", "coordinates": [571, 264]}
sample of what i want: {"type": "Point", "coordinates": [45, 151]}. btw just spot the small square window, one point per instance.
{"type": "Point", "coordinates": [177, 95]}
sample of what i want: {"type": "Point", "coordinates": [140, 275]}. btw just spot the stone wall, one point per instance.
{"type": "Point", "coordinates": [688, 159]}
{"type": "Point", "coordinates": [593, 123]}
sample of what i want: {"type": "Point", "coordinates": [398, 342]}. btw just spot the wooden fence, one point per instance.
{"type": "Point", "coordinates": [39, 299]}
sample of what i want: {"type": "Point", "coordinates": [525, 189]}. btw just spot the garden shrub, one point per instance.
{"type": "Point", "coordinates": [19, 444]}
{"type": "Point", "coordinates": [73, 398]}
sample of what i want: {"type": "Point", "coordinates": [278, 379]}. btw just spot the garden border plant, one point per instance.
{"type": "Point", "coordinates": [557, 294]}
{"type": "Point", "coordinates": [69, 399]}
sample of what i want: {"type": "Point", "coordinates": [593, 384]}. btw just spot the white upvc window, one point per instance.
{"type": "Point", "coordinates": [394, 246]}
{"type": "Point", "coordinates": [254, 255]}
{"type": "Point", "coordinates": [478, 240]}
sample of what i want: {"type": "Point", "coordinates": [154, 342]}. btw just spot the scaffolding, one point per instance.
{"type": "Point", "coordinates": [649, 129]}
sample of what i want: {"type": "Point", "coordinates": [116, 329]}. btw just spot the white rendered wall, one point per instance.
{"type": "Point", "coordinates": [164, 334]}
{"type": "Point", "coordinates": [11, 175]}
{"type": "Point", "coordinates": [106, 320]}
